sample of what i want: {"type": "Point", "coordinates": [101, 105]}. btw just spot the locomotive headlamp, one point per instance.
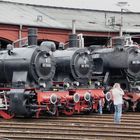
{"type": "Point", "coordinates": [75, 83]}
{"type": "Point", "coordinates": [53, 99]}
{"type": "Point", "coordinates": [135, 62]}
{"type": "Point", "coordinates": [66, 85]}
{"type": "Point", "coordinates": [87, 96]}
{"type": "Point", "coordinates": [76, 97]}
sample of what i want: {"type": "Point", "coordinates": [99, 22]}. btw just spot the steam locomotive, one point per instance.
{"type": "Point", "coordinates": [119, 64]}
{"type": "Point", "coordinates": [73, 73]}
{"type": "Point", "coordinates": [30, 80]}
{"type": "Point", "coordinates": [22, 71]}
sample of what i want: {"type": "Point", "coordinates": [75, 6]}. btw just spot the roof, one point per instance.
{"type": "Point", "coordinates": [61, 18]}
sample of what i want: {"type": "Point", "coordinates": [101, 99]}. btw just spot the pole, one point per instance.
{"type": "Point", "coordinates": [121, 24]}
{"type": "Point", "coordinates": [20, 34]}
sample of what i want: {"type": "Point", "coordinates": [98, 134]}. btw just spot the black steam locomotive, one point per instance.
{"type": "Point", "coordinates": [73, 73]}
{"type": "Point", "coordinates": [120, 64]}
{"type": "Point", "coordinates": [22, 70]}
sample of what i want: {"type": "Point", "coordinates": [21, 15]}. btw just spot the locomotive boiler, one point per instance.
{"type": "Point", "coordinates": [118, 64]}
{"type": "Point", "coordinates": [31, 66]}
{"type": "Point", "coordinates": [73, 64]}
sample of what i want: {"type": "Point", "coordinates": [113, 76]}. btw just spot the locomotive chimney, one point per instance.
{"type": "Point", "coordinates": [32, 36]}
{"type": "Point", "coordinates": [73, 27]}
{"type": "Point", "coordinates": [118, 43]}
{"type": "Point", "coordinates": [73, 38]}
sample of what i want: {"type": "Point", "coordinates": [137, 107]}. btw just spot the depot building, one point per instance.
{"type": "Point", "coordinates": [55, 23]}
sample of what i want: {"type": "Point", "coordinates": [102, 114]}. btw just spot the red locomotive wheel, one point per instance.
{"type": "Point", "coordinates": [68, 112]}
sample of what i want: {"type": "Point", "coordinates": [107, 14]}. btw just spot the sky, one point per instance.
{"type": "Point", "coordinates": [111, 5]}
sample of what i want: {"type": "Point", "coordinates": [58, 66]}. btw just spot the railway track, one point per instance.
{"type": "Point", "coordinates": [98, 127]}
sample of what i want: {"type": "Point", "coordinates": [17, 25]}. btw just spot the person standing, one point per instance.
{"type": "Point", "coordinates": [117, 96]}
